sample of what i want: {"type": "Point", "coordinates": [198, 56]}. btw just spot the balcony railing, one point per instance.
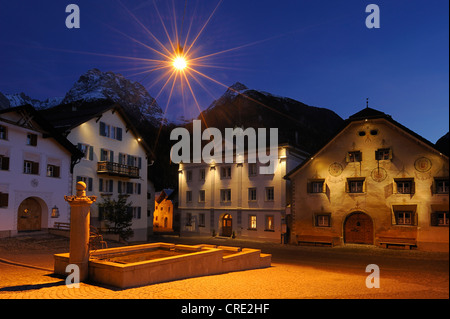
{"type": "Point", "coordinates": [116, 169]}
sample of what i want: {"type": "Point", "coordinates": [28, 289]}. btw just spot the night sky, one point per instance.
{"type": "Point", "coordinates": [318, 52]}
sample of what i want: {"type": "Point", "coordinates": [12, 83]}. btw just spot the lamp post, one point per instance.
{"type": "Point", "coordinates": [79, 228]}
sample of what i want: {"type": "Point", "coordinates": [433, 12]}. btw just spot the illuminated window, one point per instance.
{"type": "Point", "coordinates": [441, 185]}
{"type": "Point", "coordinates": [355, 185]}
{"type": "Point", "coordinates": [404, 186]}
{"type": "Point", "coordinates": [52, 171]}
{"type": "Point", "coordinates": [316, 186]}
{"type": "Point", "coordinates": [404, 218]}
{"type": "Point", "coordinates": [252, 222]}
{"type": "Point", "coordinates": [270, 226]}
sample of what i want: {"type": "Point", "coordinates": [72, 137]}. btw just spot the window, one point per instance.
{"type": "Point", "coordinates": [404, 218]}
{"type": "Point", "coordinates": [188, 219]}
{"type": "Point", "coordinates": [439, 218]}
{"type": "Point", "coordinates": [4, 199]}
{"type": "Point", "coordinates": [225, 195]}
{"type": "Point", "coordinates": [30, 167]}
{"type": "Point", "coordinates": [136, 212]}
{"type": "Point", "coordinates": [87, 150]}
{"type": "Point", "coordinates": [269, 194]}
{"type": "Point", "coordinates": [383, 154]}
{"type": "Point", "coordinates": [188, 196]}
{"type": "Point", "coordinates": [201, 220]}
{"type": "Point", "coordinates": [404, 186]}
{"type": "Point", "coordinates": [188, 176]}
{"type": "Point", "coordinates": [110, 131]}
{"type": "Point", "coordinates": [355, 186]}
{"type": "Point", "coordinates": [201, 196]}
{"type": "Point", "coordinates": [252, 169]}
{"type": "Point", "coordinates": [270, 226]}
{"type": "Point", "coordinates": [441, 185]}
{"type": "Point", "coordinates": [105, 185]}
{"type": "Point", "coordinates": [31, 139]}
{"type": "Point", "coordinates": [106, 155]}
{"type": "Point", "coordinates": [252, 222]}
{"type": "Point", "coordinates": [225, 172]}
{"type": "Point", "coordinates": [355, 156]}
{"type": "Point", "coordinates": [3, 133]}
{"type": "Point", "coordinates": [202, 174]}
{"type": "Point", "coordinates": [52, 171]}
{"type": "Point", "coordinates": [252, 194]}
{"type": "Point", "coordinates": [316, 186]}
{"type": "Point", "coordinates": [322, 220]}
{"type": "Point", "coordinates": [4, 163]}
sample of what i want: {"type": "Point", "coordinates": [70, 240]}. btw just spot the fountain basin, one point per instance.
{"type": "Point", "coordinates": [133, 266]}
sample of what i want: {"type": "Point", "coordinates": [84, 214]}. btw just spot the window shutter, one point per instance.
{"type": "Point", "coordinates": [434, 219]}
{"type": "Point", "coordinates": [394, 187]}
{"type": "Point", "coordinates": [119, 187]}
{"type": "Point", "coordinates": [111, 186]}
{"type": "Point", "coordinates": [79, 146]}
{"type": "Point", "coordinates": [347, 190]}
{"type": "Point", "coordinates": [347, 158]}
{"type": "Point", "coordinates": [102, 129]}
{"type": "Point", "coordinates": [390, 153]}
{"type": "Point", "coordinates": [309, 187]}
{"type": "Point", "coordinates": [139, 212]}
{"type": "Point", "coordinates": [100, 184]}
{"type": "Point", "coordinates": [4, 199]}
{"type": "Point", "coordinates": [90, 184]}
{"type": "Point", "coordinates": [118, 133]}
{"type": "Point", "coordinates": [111, 156]}
{"type": "Point", "coordinates": [102, 155]}
{"type": "Point", "coordinates": [35, 168]}
{"type": "Point", "coordinates": [5, 163]}
{"type": "Point", "coordinates": [413, 187]}
{"type": "Point", "coordinates": [434, 187]}
{"type": "Point", "coordinates": [364, 186]}
{"type": "Point", "coordinates": [120, 158]}
{"type": "Point", "coordinates": [101, 211]}
{"type": "Point", "coordinates": [91, 153]}
{"type": "Point", "coordinates": [324, 187]}
{"type": "Point", "coordinates": [414, 217]}
{"type": "Point", "coordinates": [56, 171]}
{"type": "Point", "coordinates": [139, 162]}
{"type": "Point", "coordinates": [139, 188]}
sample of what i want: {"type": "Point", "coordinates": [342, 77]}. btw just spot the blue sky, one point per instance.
{"type": "Point", "coordinates": [316, 51]}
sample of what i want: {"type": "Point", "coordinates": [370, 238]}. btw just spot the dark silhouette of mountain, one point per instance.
{"type": "Point", "coordinates": [298, 124]}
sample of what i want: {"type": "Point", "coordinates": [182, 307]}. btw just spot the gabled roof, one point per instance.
{"type": "Point", "coordinates": [366, 114]}
{"type": "Point", "coordinates": [65, 117]}
{"type": "Point", "coordinates": [48, 130]}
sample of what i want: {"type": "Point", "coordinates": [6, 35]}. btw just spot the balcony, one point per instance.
{"type": "Point", "coordinates": [116, 169]}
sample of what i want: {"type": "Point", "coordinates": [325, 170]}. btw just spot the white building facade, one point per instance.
{"type": "Point", "coordinates": [35, 172]}
{"type": "Point", "coordinates": [235, 200]}
{"type": "Point", "coordinates": [114, 162]}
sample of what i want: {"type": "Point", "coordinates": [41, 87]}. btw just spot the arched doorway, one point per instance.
{"type": "Point", "coordinates": [29, 215]}
{"type": "Point", "coordinates": [227, 225]}
{"type": "Point", "coordinates": [358, 229]}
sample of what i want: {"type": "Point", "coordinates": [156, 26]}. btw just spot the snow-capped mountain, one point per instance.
{"type": "Point", "coordinates": [21, 99]}
{"type": "Point", "coordinates": [98, 85]}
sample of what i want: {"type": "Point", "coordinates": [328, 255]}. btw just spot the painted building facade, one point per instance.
{"type": "Point", "coordinates": [35, 172]}
{"type": "Point", "coordinates": [164, 210]}
{"type": "Point", "coordinates": [375, 182]}
{"type": "Point", "coordinates": [235, 199]}
{"type": "Point", "coordinates": [115, 158]}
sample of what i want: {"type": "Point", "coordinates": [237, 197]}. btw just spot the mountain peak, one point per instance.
{"type": "Point", "coordinates": [98, 85]}
{"type": "Point", "coordinates": [238, 86]}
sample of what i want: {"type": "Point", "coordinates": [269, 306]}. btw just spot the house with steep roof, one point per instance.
{"type": "Point", "coordinates": [115, 157]}
{"type": "Point", "coordinates": [36, 166]}
{"type": "Point", "coordinates": [374, 182]}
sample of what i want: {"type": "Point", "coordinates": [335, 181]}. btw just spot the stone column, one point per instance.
{"type": "Point", "coordinates": [79, 228]}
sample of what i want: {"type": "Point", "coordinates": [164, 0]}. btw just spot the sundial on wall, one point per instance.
{"type": "Point", "coordinates": [34, 182]}
{"type": "Point", "coordinates": [335, 169]}
{"type": "Point", "coordinates": [378, 174]}
{"type": "Point", "coordinates": [422, 164]}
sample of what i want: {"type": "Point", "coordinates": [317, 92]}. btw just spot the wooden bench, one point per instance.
{"type": "Point", "coordinates": [62, 226]}
{"type": "Point", "coordinates": [407, 243]}
{"type": "Point", "coordinates": [315, 240]}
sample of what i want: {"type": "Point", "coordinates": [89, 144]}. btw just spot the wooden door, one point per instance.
{"type": "Point", "coordinates": [227, 225]}
{"type": "Point", "coordinates": [358, 229]}
{"type": "Point", "coordinates": [29, 215]}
